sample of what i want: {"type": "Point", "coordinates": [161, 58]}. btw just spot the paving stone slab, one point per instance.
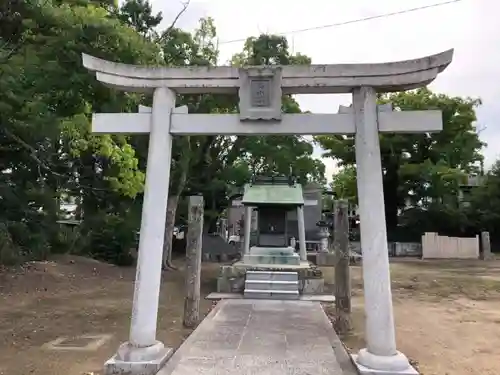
{"type": "Point", "coordinates": [249, 337]}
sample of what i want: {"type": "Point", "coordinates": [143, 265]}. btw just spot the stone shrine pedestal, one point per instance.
{"type": "Point", "coordinates": [231, 278]}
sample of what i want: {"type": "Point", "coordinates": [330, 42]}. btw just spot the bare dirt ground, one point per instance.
{"type": "Point", "coordinates": [447, 314]}
{"type": "Point", "coordinates": [70, 297]}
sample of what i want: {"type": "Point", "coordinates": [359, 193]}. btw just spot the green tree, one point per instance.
{"type": "Point", "coordinates": [139, 15]}
{"type": "Point", "coordinates": [277, 154]}
{"type": "Point", "coordinates": [216, 164]}
{"type": "Point", "coordinates": [46, 102]}
{"type": "Point", "coordinates": [268, 49]}
{"type": "Point", "coordinates": [484, 209]}
{"type": "Point", "coordinates": [420, 169]}
{"type": "Point", "coordinates": [344, 184]}
{"type": "Point", "coordinates": [197, 160]}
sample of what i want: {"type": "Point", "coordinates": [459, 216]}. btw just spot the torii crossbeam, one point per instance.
{"type": "Point", "coordinates": [260, 90]}
{"type": "Point", "coordinates": [303, 123]}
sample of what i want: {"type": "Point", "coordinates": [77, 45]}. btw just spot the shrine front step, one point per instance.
{"type": "Point", "coordinates": [277, 285]}
{"type": "Point", "coordinates": [272, 275]}
{"type": "Point", "coordinates": [271, 285]}
{"type": "Point", "coordinates": [256, 259]}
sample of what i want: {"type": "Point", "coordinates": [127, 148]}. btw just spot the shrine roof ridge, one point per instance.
{"type": "Point", "coordinates": [299, 79]}
{"type": "Point", "coordinates": [273, 180]}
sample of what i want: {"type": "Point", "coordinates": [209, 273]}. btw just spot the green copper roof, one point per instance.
{"type": "Point", "coordinates": [273, 194]}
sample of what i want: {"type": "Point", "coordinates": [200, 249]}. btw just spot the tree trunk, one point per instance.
{"type": "Point", "coordinates": [193, 262]}
{"type": "Point", "coordinates": [342, 272]}
{"type": "Point", "coordinates": [391, 198]}
{"type": "Point", "coordinates": [79, 207]}
{"type": "Point", "coordinates": [173, 200]}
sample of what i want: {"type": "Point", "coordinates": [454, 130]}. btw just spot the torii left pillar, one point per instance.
{"type": "Point", "coordinates": [143, 353]}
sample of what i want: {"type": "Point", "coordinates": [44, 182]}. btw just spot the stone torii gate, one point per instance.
{"type": "Point", "coordinates": [260, 91]}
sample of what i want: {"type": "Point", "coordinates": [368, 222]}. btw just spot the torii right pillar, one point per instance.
{"type": "Point", "coordinates": [380, 353]}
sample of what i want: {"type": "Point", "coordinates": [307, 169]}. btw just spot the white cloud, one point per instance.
{"type": "Point", "coordinates": [469, 26]}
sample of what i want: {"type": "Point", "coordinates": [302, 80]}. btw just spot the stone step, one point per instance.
{"type": "Point", "coordinates": [271, 294]}
{"type": "Point", "coordinates": [271, 285]}
{"type": "Point", "coordinates": [271, 259]}
{"type": "Point", "coordinates": [272, 275]}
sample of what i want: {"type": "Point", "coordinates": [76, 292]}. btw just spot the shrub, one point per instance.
{"type": "Point", "coordinates": [9, 252]}
{"type": "Point", "coordinates": [110, 238]}
{"type": "Point", "coordinates": [20, 242]}
{"type": "Point", "coordinates": [69, 239]}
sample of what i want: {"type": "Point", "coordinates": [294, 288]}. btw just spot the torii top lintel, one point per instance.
{"type": "Point", "coordinates": [295, 79]}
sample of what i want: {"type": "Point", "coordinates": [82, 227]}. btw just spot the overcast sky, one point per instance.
{"type": "Point", "coordinates": [471, 27]}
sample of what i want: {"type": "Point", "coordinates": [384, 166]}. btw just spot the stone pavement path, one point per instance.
{"type": "Point", "coordinates": [264, 337]}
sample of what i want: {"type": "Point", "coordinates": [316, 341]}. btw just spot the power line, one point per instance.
{"type": "Point", "coordinates": [385, 15]}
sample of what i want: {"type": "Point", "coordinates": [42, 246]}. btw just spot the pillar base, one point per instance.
{"type": "Point", "coordinates": [371, 364]}
{"type": "Point", "coordinates": [131, 360]}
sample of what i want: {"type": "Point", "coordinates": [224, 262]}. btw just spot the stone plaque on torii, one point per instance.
{"type": "Point", "coordinates": [260, 90]}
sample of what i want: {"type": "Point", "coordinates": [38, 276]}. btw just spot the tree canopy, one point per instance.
{"type": "Point", "coordinates": [48, 156]}
{"type": "Point", "coordinates": [47, 153]}
{"type": "Point", "coordinates": [420, 171]}
{"type": "Point", "coordinates": [49, 159]}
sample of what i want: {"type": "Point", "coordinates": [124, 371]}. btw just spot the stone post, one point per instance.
{"type": "Point", "coordinates": [193, 261]}
{"type": "Point", "coordinates": [380, 353]}
{"type": "Point", "coordinates": [485, 246]}
{"type": "Point", "coordinates": [223, 229]}
{"type": "Point", "coordinates": [302, 233]}
{"type": "Point", "coordinates": [247, 230]}
{"type": "Point", "coordinates": [342, 270]}
{"type": "Point", "coordinates": [143, 349]}
{"type": "Point", "coordinates": [324, 236]}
